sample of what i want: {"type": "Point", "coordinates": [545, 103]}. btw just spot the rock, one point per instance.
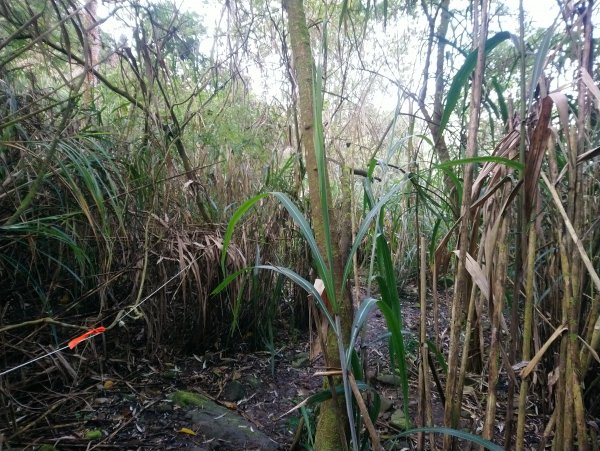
{"type": "Point", "coordinates": [300, 360]}
{"type": "Point", "coordinates": [386, 404]}
{"type": "Point", "coordinates": [389, 379]}
{"type": "Point", "coordinates": [233, 391]}
{"type": "Point", "coordinates": [399, 421]}
{"type": "Point", "coordinates": [224, 426]}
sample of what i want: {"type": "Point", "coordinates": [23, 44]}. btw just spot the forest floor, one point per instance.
{"type": "Point", "coordinates": [128, 406]}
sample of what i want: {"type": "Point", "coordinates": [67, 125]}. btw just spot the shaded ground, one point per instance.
{"type": "Point", "coordinates": [128, 405]}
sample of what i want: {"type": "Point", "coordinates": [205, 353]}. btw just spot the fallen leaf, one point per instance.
{"type": "Point", "coordinates": [186, 431]}
{"type": "Point", "coordinates": [230, 405]}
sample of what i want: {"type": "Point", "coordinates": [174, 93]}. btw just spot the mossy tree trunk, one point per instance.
{"type": "Point", "coordinates": [332, 418]}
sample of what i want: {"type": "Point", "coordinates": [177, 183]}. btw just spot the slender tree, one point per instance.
{"type": "Point", "coordinates": [330, 433]}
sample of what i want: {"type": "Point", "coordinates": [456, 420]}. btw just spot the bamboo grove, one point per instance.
{"type": "Point", "coordinates": [184, 184]}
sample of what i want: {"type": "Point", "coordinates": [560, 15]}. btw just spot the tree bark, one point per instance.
{"type": "Point", "coordinates": [330, 434]}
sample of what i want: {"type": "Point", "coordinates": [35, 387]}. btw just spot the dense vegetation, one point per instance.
{"type": "Point", "coordinates": [185, 182]}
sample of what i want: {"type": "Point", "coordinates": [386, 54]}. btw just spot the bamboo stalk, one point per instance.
{"type": "Point", "coordinates": [471, 311]}
{"type": "Point", "coordinates": [497, 303]}
{"type": "Point", "coordinates": [425, 410]}
{"type": "Point", "coordinates": [566, 442]}
{"type": "Point", "coordinates": [527, 334]}
{"type": "Point", "coordinates": [518, 264]}
{"type": "Point", "coordinates": [558, 413]}
{"type": "Point", "coordinates": [453, 396]}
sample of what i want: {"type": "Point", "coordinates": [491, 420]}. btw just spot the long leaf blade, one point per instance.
{"type": "Point", "coordinates": [462, 77]}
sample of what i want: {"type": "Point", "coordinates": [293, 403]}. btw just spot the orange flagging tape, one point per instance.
{"type": "Point", "coordinates": [90, 333]}
{"type": "Point", "coordinates": [74, 342]}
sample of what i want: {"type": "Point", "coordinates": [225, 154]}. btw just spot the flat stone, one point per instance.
{"type": "Point", "coordinates": [399, 421]}
{"type": "Point", "coordinates": [389, 379]}
{"type": "Point", "coordinates": [224, 427]}
{"type": "Point", "coordinates": [386, 404]}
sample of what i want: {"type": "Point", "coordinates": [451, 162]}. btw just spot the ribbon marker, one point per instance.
{"type": "Point", "coordinates": [90, 333]}
{"type": "Point", "coordinates": [74, 342]}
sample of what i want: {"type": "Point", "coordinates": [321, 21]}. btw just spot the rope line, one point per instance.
{"type": "Point", "coordinates": [100, 329]}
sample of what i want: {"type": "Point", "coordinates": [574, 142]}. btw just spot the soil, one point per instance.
{"type": "Point", "coordinates": [129, 405]}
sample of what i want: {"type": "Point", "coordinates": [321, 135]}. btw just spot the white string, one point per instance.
{"type": "Point", "coordinates": [118, 318]}
{"type": "Point", "coordinates": [10, 370]}
{"type": "Point", "coordinates": [135, 306]}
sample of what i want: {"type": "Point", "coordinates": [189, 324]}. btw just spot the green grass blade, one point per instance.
{"type": "Point", "coordinates": [463, 75]}
{"type": "Point", "coordinates": [230, 278]}
{"type": "Point", "coordinates": [395, 327]}
{"type": "Point", "coordinates": [540, 60]}
{"type": "Point", "coordinates": [322, 269]}
{"type": "Point", "coordinates": [302, 223]}
{"type": "Point", "coordinates": [459, 434]}
{"type": "Point", "coordinates": [503, 109]}
{"type": "Point", "coordinates": [235, 218]}
{"type": "Point", "coordinates": [485, 159]}
{"type": "Point", "coordinates": [307, 424]}
{"type": "Point", "coordinates": [305, 284]}
{"type": "Point", "coordinates": [438, 355]}
{"type": "Point", "coordinates": [319, 141]}
{"type": "Point", "coordinates": [366, 224]}
{"type": "Point", "coordinates": [360, 318]}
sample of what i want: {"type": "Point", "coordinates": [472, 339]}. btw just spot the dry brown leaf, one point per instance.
{"type": "Point", "coordinates": [589, 82]}
{"type": "Point", "coordinates": [477, 274]}
{"type": "Point", "coordinates": [584, 257]}
{"type": "Point", "coordinates": [535, 156]}
{"type": "Point", "coordinates": [588, 155]}
{"type": "Point", "coordinates": [538, 356]}
{"type": "Point", "coordinates": [562, 105]}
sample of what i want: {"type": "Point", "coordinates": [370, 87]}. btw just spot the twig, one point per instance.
{"type": "Point", "coordinates": [38, 419]}
{"type": "Point", "coordinates": [46, 320]}
{"type": "Point", "coordinates": [365, 413]}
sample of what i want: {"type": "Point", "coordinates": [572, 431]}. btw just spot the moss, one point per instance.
{"type": "Point", "coordinates": [94, 434]}
{"type": "Point", "coordinates": [327, 437]}
{"type": "Point", "coordinates": [186, 399]}
{"type": "Point", "coordinates": [400, 421]}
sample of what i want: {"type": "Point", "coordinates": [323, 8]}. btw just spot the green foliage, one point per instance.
{"type": "Point", "coordinates": [455, 433]}
{"type": "Point", "coordinates": [460, 80]}
{"type": "Point", "coordinates": [540, 62]}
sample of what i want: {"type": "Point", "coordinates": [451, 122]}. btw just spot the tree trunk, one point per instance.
{"type": "Point", "coordinates": [332, 418]}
